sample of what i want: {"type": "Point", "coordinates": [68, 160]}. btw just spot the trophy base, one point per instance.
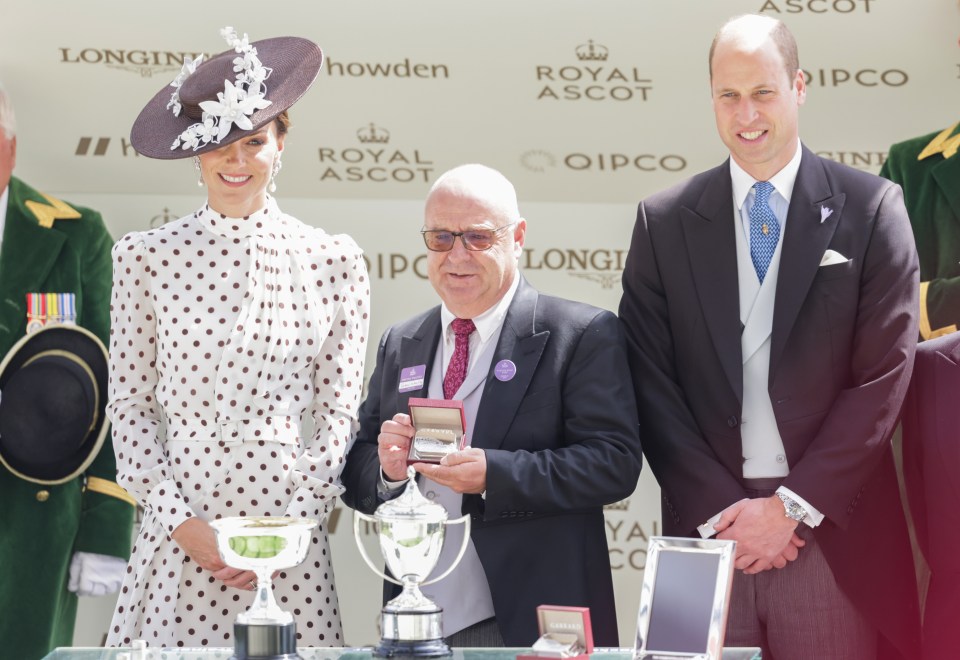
{"type": "Point", "coordinates": [395, 648]}
{"type": "Point", "coordinates": [411, 635]}
{"type": "Point", "coordinates": [273, 641]}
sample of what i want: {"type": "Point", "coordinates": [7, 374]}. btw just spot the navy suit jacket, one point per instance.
{"type": "Point", "coordinates": [561, 440]}
{"type": "Point", "coordinates": [842, 347]}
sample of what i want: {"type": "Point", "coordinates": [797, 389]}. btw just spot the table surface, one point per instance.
{"type": "Point", "coordinates": [337, 654]}
{"type": "Point", "coordinates": [306, 653]}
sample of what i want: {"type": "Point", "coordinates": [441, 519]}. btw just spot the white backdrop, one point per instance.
{"type": "Point", "coordinates": [586, 106]}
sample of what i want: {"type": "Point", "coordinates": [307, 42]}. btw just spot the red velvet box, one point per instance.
{"type": "Point", "coordinates": [565, 632]}
{"type": "Point", "coordinates": [441, 429]}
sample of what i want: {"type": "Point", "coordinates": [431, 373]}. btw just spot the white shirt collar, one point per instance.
{"type": "Point", "coordinates": [782, 181]}
{"type": "Point", "coordinates": [489, 321]}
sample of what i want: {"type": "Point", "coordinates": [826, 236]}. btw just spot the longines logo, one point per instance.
{"type": "Point", "coordinates": [860, 77]}
{"type": "Point", "coordinates": [401, 69]}
{"type": "Point", "coordinates": [601, 266]}
{"type": "Point", "coordinates": [374, 160]}
{"type": "Point", "coordinates": [592, 78]}
{"type": "Point", "coordinates": [145, 63]}
{"type": "Point", "coordinates": [538, 160]}
{"type": "Point", "coordinates": [816, 6]}
{"type": "Point", "coordinates": [864, 160]}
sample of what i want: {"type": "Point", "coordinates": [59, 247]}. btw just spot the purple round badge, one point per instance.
{"type": "Point", "coordinates": [505, 370]}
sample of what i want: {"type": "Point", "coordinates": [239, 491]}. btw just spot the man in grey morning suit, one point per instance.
{"type": "Point", "coordinates": [770, 312]}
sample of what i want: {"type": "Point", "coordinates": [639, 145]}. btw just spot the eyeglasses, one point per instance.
{"type": "Point", "coordinates": [478, 240]}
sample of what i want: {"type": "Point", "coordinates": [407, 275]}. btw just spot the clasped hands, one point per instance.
{"type": "Point", "coordinates": [766, 538]}
{"type": "Point", "coordinates": [464, 471]}
{"type": "Point", "coordinates": [198, 540]}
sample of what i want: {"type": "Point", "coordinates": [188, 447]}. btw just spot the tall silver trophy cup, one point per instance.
{"type": "Point", "coordinates": [264, 545]}
{"type": "Point", "coordinates": [411, 532]}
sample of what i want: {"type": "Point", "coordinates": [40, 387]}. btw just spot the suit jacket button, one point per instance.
{"type": "Point", "coordinates": [732, 421]}
{"type": "Point", "coordinates": [43, 495]}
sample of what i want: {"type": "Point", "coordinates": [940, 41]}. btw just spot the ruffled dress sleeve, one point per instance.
{"type": "Point", "coordinates": [337, 382]}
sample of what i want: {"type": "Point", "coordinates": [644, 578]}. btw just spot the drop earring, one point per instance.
{"type": "Point", "coordinates": [196, 164]}
{"type": "Point", "coordinates": [273, 175]}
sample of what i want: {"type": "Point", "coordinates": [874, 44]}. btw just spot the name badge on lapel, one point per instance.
{"type": "Point", "coordinates": [50, 309]}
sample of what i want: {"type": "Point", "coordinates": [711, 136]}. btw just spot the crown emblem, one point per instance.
{"type": "Point", "coordinates": [591, 52]}
{"type": "Point", "coordinates": [162, 218]}
{"type": "Point", "coordinates": [622, 505]}
{"type": "Point", "coordinates": [373, 135]}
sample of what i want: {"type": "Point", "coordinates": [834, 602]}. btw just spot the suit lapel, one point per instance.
{"type": "Point", "coordinates": [29, 250]}
{"type": "Point", "coordinates": [946, 173]}
{"type": "Point", "coordinates": [711, 245]}
{"type": "Point", "coordinates": [947, 378]}
{"type": "Point", "coordinates": [28, 253]}
{"type": "Point", "coordinates": [815, 211]}
{"type": "Point", "coordinates": [419, 347]}
{"type": "Point", "coordinates": [523, 345]}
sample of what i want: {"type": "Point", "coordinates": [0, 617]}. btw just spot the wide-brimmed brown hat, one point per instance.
{"type": "Point", "coordinates": [292, 64]}
{"type": "Point", "coordinates": [53, 390]}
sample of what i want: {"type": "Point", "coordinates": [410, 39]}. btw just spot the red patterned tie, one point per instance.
{"type": "Point", "coordinates": [457, 369]}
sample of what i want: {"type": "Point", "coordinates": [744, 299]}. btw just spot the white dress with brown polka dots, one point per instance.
{"type": "Point", "coordinates": [225, 332]}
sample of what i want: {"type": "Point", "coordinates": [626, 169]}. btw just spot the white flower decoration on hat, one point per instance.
{"type": "Point", "coordinates": [234, 105]}
{"type": "Point", "coordinates": [189, 66]}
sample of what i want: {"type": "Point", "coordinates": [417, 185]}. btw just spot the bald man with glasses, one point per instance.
{"type": "Point", "coordinates": [551, 424]}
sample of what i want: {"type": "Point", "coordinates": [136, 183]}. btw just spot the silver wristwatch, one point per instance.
{"type": "Point", "coordinates": [792, 509]}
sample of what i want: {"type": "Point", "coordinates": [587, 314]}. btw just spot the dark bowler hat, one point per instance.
{"type": "Point", "coordinates": [221, 100]}
{"type": "Point", "coordinates": [53, 389]}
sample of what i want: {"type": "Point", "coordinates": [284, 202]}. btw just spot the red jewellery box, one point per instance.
{"type": "Point", "coordinates": [441, 429]}
{"type": "Point", "coordinates": [565, 632]}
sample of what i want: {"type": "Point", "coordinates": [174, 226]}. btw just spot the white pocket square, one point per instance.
{"type": "Point", "coordinates": [831, 257]}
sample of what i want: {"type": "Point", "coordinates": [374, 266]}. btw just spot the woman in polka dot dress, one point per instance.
{"type": "Point", "coordinates": [228, 327]}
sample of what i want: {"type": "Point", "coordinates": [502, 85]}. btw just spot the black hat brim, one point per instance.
{"type": "Point", "coordinates": [82, 347]}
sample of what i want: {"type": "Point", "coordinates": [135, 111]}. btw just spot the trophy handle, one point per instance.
{"type": "Point", "coordinates": [357, 517]}
{"type": "Point", "coordinates": [463, 548]}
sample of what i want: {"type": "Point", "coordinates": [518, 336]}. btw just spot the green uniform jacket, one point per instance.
{"type": "Point", "coordinates": [931, 191]}
{"type": "Point", "coordinates": [42, 526]}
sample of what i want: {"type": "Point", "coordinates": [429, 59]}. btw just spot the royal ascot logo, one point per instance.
{"type": "Point", "coordinates": [373, 135]}
{"type": "Point", "coordinates": [145, 63]}
{"type": "Point", "coordinates": [627, 537]}
{"type": "Point", "coordinates": [842, 78]}
{"type": "Point", "coordinates": [870, 161]}
{"type": "Point", "coordinates": [404, 69]}
{"type": "Point", "coordinates": [374, 161]}
{"type": "Point", "coordinates": [592, 78]}
{"type": "Point", "coordinates": [162, 218]}
{"type": "Point", "coordinates": [539, 161]}
{"type": "Point", "coordinates": [816, 6]}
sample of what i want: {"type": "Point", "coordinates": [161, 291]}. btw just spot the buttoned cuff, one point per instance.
{"type": "Point", "coordinates": [813, 517]}
{"type": "Point", "coordinates": [706, 530]}
{"type": "Point", "coordinates": [387, 489]}
{"type": "Point", "coordinates": [168, 505]}
{"type": "Point", "coordinates": [306, 504]}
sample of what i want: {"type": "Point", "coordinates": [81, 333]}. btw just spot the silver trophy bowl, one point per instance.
{"type": "Point", "coordinates": [264, 545]}
{"type": "Point", "coordinates": [411, 531]}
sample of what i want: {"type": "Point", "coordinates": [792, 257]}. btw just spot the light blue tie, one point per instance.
{"type": "Point", "coordinates": [764, 229]}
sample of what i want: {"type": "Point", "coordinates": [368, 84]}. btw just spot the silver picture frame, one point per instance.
{"type": "Point", "coordinates": [684, 599]}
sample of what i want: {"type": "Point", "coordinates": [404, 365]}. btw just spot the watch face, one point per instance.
{"type": "Point", "coordinates": [792, 509]}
